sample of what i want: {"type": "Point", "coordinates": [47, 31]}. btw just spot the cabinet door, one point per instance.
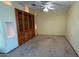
{"type": "Point", "coordinates": [33, 26]}
{"type": "Point", "coordinates": [26, 26]}
{"type": "Point", "coordinates": [19, 21]}
{"type": "Point", "coordinates": [30, 22]}
{"type": "Point", "coordinates": [26, 18]}
{"type": "Point", "coordinates": [27, 35]}
{"type": "Point", "coordinates": [33, 22]}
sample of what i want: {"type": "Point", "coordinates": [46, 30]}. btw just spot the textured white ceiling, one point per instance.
{"type": "Point", "coordinates": [58, 5]}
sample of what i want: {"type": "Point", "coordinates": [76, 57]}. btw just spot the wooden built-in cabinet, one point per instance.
{"type": "Point", "coordinates": [25, 26]}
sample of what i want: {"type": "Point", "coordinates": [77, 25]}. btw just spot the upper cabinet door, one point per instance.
{"type": "Point", "coordinates": [30, 21]}
{"type": "Point", "coordinates": [19, 19]}
{"type": "Point", "coordinates": [6, 11]}
{"type": "Point", "coordinates": [33, 22]}
{"type": "Point", "coordinates": [26, 21]}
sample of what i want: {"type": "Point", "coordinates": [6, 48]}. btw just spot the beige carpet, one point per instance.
{"type": "Point", "coordinates": [44, 46]}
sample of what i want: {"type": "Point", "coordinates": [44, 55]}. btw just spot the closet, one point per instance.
{"type": "Point", "coordinates": [25, 26]}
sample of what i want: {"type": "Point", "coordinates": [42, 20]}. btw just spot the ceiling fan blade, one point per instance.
{"type": "Point", "coordinates": [51, 8]}
{"type": "Point", "coordinates": [39, 3]}
{"type": "Point", "coordinates": [44, 2]}
{"type": "Point", "coordinates": [57, 4]}
{"type": "Point", "coordinates": [48, 3]}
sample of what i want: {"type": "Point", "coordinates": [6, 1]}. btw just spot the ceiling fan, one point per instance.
{"type": "Point", "coordinates": [46, 5]}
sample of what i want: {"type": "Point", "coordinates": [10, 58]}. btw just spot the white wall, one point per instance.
{"type": "Point", "coordinates": [73, 26]}
{"type": "Point", "coordinates": [17, 5]}
{"type": "Point", "coordinates": [51, 23]}
{"type": "Point", "coordinates": [7, 13]}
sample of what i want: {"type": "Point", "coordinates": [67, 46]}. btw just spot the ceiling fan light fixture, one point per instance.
{"type": "Point", "coordinates": [45, 10]}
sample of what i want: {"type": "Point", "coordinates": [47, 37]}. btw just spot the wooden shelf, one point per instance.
{"type": "Point", "coordinates": [25, 26]}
